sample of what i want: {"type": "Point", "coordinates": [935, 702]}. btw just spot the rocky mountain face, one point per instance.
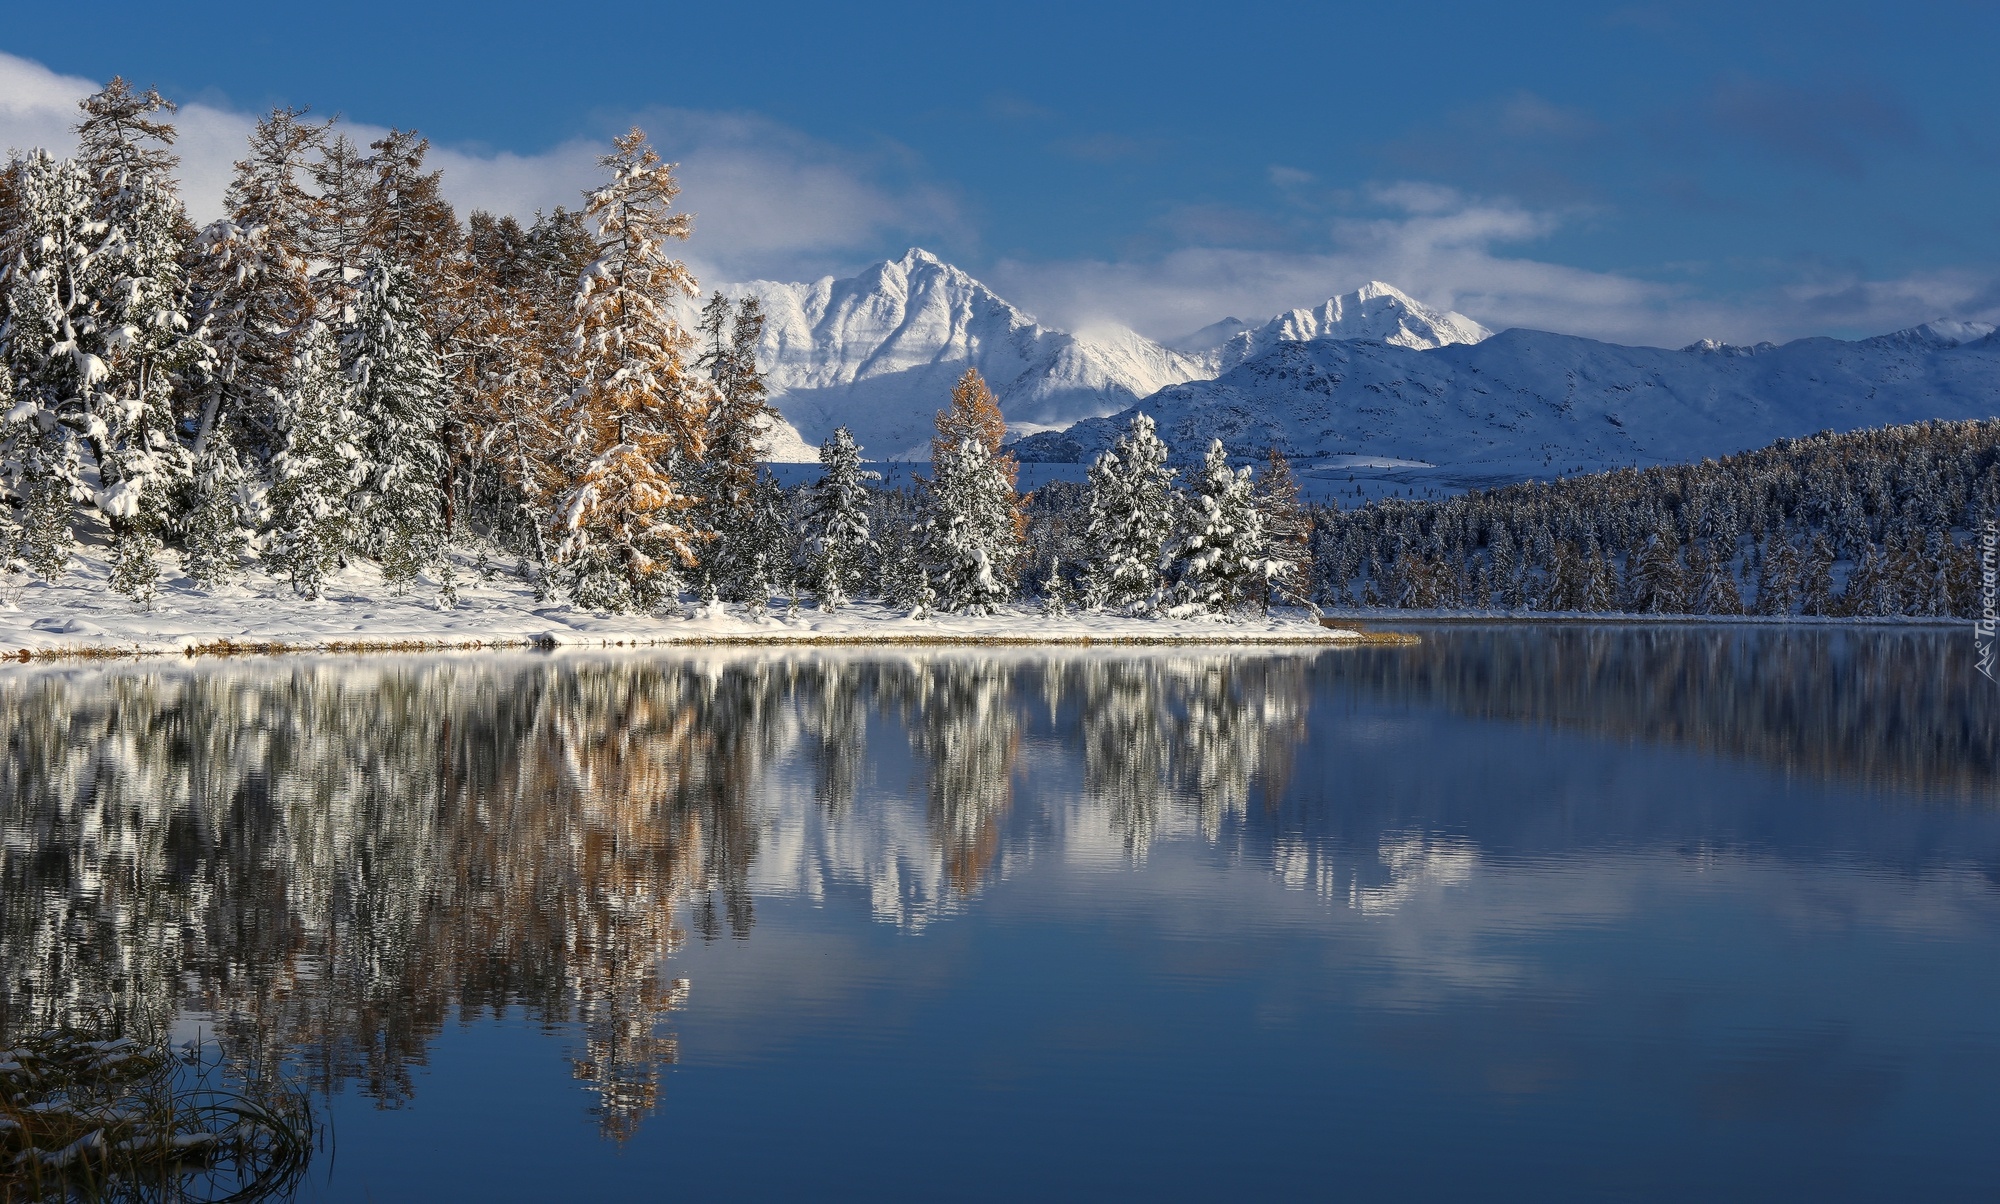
{"type": "Point", "coordinates": [879, 352]}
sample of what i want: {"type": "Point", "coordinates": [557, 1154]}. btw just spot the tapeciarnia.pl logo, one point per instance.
{"type": "Point", "coordinates": [1984, 626]}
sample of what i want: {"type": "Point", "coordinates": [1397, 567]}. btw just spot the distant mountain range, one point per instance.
{"type": "Point", "coordinates": [879, 352]}
{"type": "Point", "coordinates": [1525, 403]}
{"type": "Point", "coordinates": [1369, 377]}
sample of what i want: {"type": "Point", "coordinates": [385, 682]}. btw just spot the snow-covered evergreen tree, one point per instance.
{"type": "Point", "coordinates": [12, 443]}
{"type": "Point", "coordinates": [252, 289]}
{"type": "Point", "coordinates": [55, 346]}
{"type": "Point", "coordinates": [1568, 585]}
{"type": "Point", "coordinates": [763, 561]}
{"type": "Point", "coordinates": [1133, 507]}
{"type": "Point", "coordinates": [1778, 578]}
{"type": "Point", "coordinates": [972, 522]}
{"type": "Point", "coordinates": [318, 468]}
{"type": "Point", "coordinates": [737, 420]}
{"type": "Point", "coordinates": [1220, 555]}
{"type": "Point", "coordinates": [970, 534]}
{"type": "Point", "coordinates": [1287, 531]}
{"type": "Point", "coordinates": [634, 423]}
{"type": "Point", "coordinates": [1712, 589]}
{"type": "Point", "coordinates": [1816, 578]}
{"type": "Point", "coordinates": [837, 537]}
{"type": "Point", "coordinates": [124, 145]}
{"type": "Point", "coordinates": [399, 401]}
{"type": "Point", "coordinates": [1657, 583]}
{"type": "Point", "coordinates": [217, 524]}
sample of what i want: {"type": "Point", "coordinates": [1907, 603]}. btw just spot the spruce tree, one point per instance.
{"type": "Point", "coordinates": [737, 421]}
{"type": "Point", "coordinates": [125, 147]}
{"type": "Point", "coordinates": [1816, 578]}
{"type": "Point", "coordinates": [1133, 506]}
{"type": "Point", "coordinates": [218, 521]}
{"type": "Point", "coordinates": [1712, 588]}
{"type": "Point", "coordinates": [317, 469]}
{"type": "Point", "coordinates": [970, 538]}
{"type": "Point", "coordinates": [1658, 583]}
{"type": "Point", "coordinates": [837, 525]}
{"type": "Point", "coordinates": [1601, 588]}
{"type": "Point", "coordinates": [1778, 580]}
{"type": "Point", "coordinates": [55, 346]}
{"type": "Point", "coordinates": [765, 559]}
{"type": "Point", "coordinates": [1287, 531]}
{"type": "Point", "coordinates": [251, 284]}
{"type": "Point", "coordinates": [635, 420]}
{"type": "Point", "coordinates": [972, 523]}
{"type": "Point", "coordinates": [399, 402]}
{"type": "Point", "coordinates": [1221, 556]}
{"type": "Point", "coordinates": [1568, 585]}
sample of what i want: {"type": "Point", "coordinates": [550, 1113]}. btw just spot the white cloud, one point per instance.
{"type": "Point", "coordinates": [773, 202]}
{"type": "Point", "coordinates": [767, 199]}
{"type": "Point", "coordinates": [1450, 251]}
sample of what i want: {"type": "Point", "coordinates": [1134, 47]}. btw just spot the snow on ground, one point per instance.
{"type": "Point", "coordinates": [80, 614]}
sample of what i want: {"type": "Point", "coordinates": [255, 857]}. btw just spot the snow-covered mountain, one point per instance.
{"type": "Point", "coordinates": [1377, 311]}
{"type": "Point", "coordinates": [879, 352]}
{"type": "Point", "coordinates": [1525, 403]}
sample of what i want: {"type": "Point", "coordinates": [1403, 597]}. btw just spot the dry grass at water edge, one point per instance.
{"type": "Point", "coordinates": [87, 1118]}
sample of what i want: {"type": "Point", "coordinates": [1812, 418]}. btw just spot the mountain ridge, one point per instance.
{"type": "Point", "coordinates": [1530, 403]}
{"type": "Point", "coordinates": [879, 351]}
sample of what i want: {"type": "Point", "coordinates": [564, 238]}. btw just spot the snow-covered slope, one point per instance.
{"type": "Point", "coordinates": [1376, 311]}
{"type": "Point", "coordinates": [1525, 403]}
{"type": "Point", "coordinates": [880, 351]}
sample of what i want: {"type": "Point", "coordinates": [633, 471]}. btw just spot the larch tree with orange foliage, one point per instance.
{"type": "Point", "coordinates": [634, 422]}
{"type": "Point", "coordinates": [973, 524]}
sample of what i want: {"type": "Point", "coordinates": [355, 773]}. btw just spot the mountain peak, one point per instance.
{"type": "Point", "coordinates": [1377, 311]}
{"type": "Point", "coordinates": [918, 257]}
{"type": "Point", "coordinates": [1381, 288]}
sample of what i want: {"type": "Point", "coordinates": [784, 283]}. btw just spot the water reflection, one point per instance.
{"type": "Point", "coordinates": [1898, 707]}
{"type": "Point", "coordinates": [327, 860]}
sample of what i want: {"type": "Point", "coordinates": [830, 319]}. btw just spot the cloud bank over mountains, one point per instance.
{"type": "Point", "coordinates": [774, 203]}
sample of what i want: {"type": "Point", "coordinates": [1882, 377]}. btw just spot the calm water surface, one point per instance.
{"type": "Point", "coordinates": [1524, 912]}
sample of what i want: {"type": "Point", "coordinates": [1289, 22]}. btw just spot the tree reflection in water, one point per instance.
{"type": "Point", "coordinates": [324, 860]}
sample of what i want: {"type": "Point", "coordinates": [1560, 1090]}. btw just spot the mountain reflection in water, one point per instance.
{"type": "Point", "coordinates": [325, 860]}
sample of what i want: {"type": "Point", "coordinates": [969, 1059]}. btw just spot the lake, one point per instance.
{"type": "Point", "coordinates": [1525, 911]}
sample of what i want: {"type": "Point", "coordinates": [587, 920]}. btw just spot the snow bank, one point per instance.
{"type": "Point", "coordinates": [80, 615]}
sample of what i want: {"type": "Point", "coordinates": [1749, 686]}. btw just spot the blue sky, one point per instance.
{"type": "Point", "coordinates": [1649, 173]}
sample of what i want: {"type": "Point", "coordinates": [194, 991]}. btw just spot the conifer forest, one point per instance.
{"type": "Point", "coordinates": [340, 370]}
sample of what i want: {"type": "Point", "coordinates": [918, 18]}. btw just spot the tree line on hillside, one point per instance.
{"type": "Point", "coordinates": [1866, 523]}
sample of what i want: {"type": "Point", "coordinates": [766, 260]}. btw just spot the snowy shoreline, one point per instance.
{"type": "Point", "coordinates": [81, 616]}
